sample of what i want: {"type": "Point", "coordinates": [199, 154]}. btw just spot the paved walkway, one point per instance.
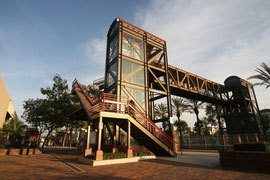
{"type": "Point", "coordinates": [47, 166]}
{"type": "Point", "coordinates": [208, 159]}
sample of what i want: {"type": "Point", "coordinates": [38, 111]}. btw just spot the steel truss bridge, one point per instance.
{"type": "Point", "coordinates": [137, 74]}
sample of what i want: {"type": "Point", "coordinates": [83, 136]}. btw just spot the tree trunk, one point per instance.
{"type": "Point", "coordinates": [219, 122]}
{"type": "Point", "coordinates": [180, 130]}
{"type": "Point", "coordinates": [46, 139]}
{"type": "Point", "coordinates": [70, 137]}
{"type": "Point", "coordinates": [65, 137]}
{"type": "Point", "coordinates": [199, 124]}
{"type": "Point", "coordinates": [77, 142]}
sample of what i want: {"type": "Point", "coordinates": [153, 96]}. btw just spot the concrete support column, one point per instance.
{"type": "Point", "coordinates": [129, 151]}
{"type": "Point", "coordinates": [88, 150]}
{"type": "Point", "coordinates": [88, 136]}
{"type": "Point", "coordinates": [100, 127]}
{"type": "Point", "coordinates": [99, 152]}
{"type": "Point", "coordinates": [115, 149]}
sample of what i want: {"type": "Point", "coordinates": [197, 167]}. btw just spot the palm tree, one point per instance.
{"type": "Point", "coordinates": [179, 106]}
{"type": "Point", "coordinates": [183, 125]}
{"type": "Point", "coordinates": [263, 75]}
{"type": "Point", "coordinates": [13, 130]}
{"type": "Point", "coordinates": [195, 106]}
{"type": "Point", "coordinates": [161, 111]}
{"type": "Point", "coordinates": [212, 113]}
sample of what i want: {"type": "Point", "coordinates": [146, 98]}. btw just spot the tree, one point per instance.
{"type": "Point", "coordinates": [195, 106]}
{"type": "Point", "coordinates": [179, 106]}
{"type": "Point", "coordinates": [182, 125]}
{"type": "Point", "coordinates": [51, 112]}
{"type": "Point", "coordinates": [213, 118]}
{"type": "Point", "coordinates": [36, 113]}
{"type": "Point", "coordinates": [14, 131]}
{"type": "Point", "coordinates": [263, 75]}
{"type": "Point", "coordinates": [161, 111]}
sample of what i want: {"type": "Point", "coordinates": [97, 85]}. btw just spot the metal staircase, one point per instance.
{"type": "Point", "coordinates": [142, 129]}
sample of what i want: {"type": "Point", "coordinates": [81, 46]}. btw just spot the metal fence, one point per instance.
{"type": "Point", "coordinates": [218, 142]}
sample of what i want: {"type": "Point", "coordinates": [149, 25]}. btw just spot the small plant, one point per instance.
{"type": "Point", "coordinates": [267, 144]}
{"type": "Point", "coordinates": [141, 153]}
{"type": "Point", "coordinates": [118, 155]}
{"type": "Point", "coordinates": [91, 156]}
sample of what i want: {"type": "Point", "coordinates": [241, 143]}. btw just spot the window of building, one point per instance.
{"type": "Point", "coordinates": [132, 47]}
{"type": "Point", "coordinates": [128, 67]}
{"type": "Point", "coordinates": [113, 48]}
{"type": "Point", "coordinates": [138, 95]}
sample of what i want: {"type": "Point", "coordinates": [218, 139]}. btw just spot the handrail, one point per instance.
{"type": "Point", "coordinates": [122, 104]}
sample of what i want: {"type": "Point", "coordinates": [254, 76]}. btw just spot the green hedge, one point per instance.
{"type": "Point", "coordinates": [249, 147]}
{"type": "Point", "coordinates": [141, 153]}
{"type": "Point", "coordinates": [91, 156]}
{"type": "Point", "coordinates": [119, 155]}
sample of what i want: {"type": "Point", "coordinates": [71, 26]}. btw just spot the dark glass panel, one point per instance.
{"type": "Point", "coordinates": [113, 48]}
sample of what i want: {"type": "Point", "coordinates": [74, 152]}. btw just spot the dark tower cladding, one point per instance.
{"type": "Point", "coordinates": [242, 112]}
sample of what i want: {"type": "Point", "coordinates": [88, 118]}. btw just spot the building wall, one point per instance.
{"type": "Point", "coordinates": [6, 105]}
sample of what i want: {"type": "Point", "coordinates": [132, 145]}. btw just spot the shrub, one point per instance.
{"type": "Point", "coordinates": [118, 155]}
{"type": "Point", "coordinates": [249, 147]}
{"type": "Point", "coordinates": [267, 144]}
{"type": "Point", "coordinates": [91, 156]}
{"type": "Point", "coordinates": [141, 153]}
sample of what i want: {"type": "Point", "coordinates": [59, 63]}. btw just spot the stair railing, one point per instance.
{"type": "Point", "coordinates": [120, 104]}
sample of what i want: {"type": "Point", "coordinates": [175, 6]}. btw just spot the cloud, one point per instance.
{"type": "Point", "coordinates": [95, 50]}
{"type": "Point", "coordinates": [213, 39]}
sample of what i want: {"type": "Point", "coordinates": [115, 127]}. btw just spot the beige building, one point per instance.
{"type": "Point", "coordinates": [6, 107]}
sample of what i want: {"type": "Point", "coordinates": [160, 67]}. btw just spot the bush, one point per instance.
{"type": "Point", "coordinates": [249, 147]}
{"type": "Point", "coordinates": [267, 144]}
{"type": "Point", "coordinates": [91, 156]}
{"type": "Point", "coordinates": [118, 155]}
{"type": "Point", "coordinates": [141, 153]}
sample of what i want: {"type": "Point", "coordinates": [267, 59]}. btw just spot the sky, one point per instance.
{"type": "Point", "coordinates": [213, 39]}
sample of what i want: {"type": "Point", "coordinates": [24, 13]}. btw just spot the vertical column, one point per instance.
{"type": "Point", "coordinates": [88, 150]}
{"type": "Point", "coordinates": [129, 151]}
{"type": "Point", "coordinates": [119, 68]}
{"type": "Point", "coordinates": [88, 136]}
{"type": "Point", "coordinates": [169, 103]}
{"type": "Point", "coordinates": [99, 152]}
{"type": "Point", "coordinates": [146, 87]}
{"type": "Point", "coordinates": [115, 138]}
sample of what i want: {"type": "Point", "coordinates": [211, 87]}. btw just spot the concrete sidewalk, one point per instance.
{"type": "Point", "coordinates": [207, 158]}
